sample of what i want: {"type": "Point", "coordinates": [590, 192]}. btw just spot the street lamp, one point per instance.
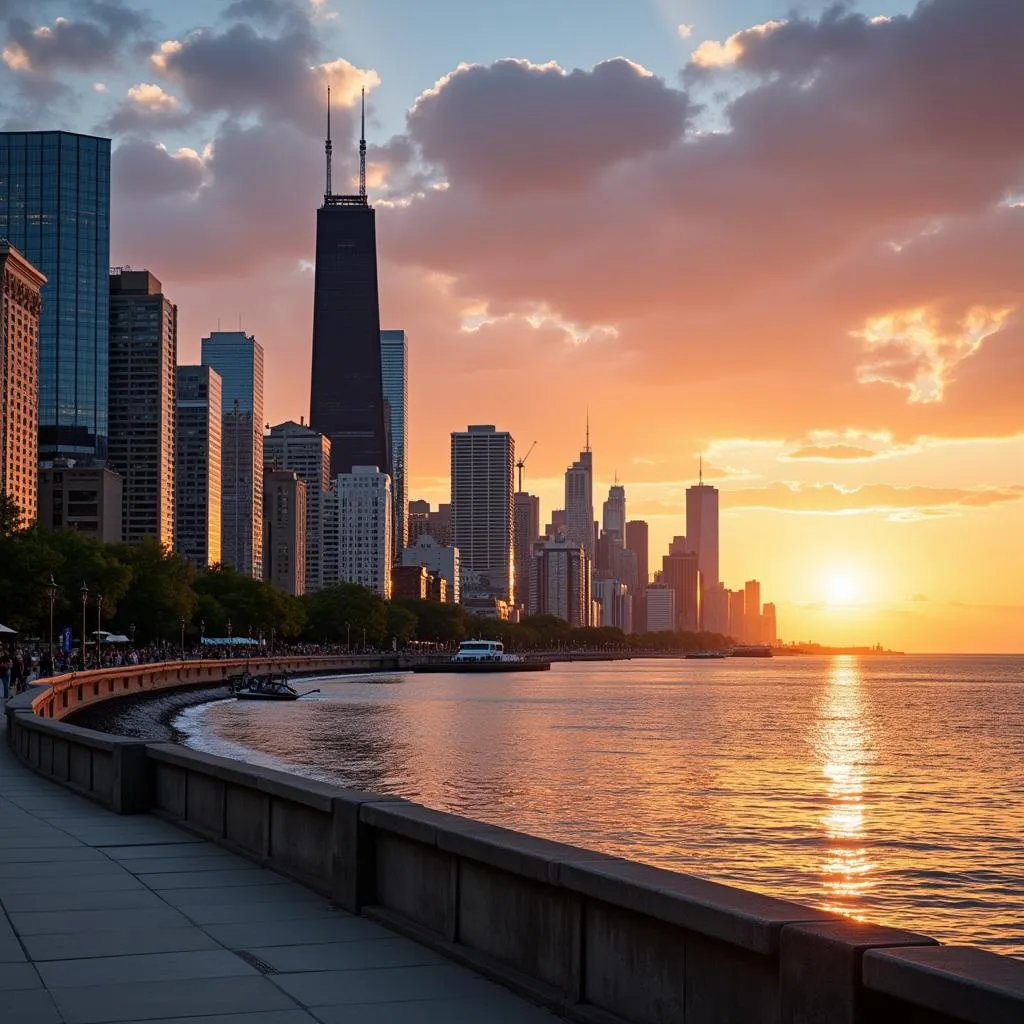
{"type": "Point", "coordinates": [202, 635]}
{"type": "Point", "coordinates": [273, 639]}
{"type": "Point", "coordinates": [131, 632]}
{"type": "Point", "coordinates": [51, 590]}
{"type": "Point", "coordinates": [348, 637]}
{"type": "Point", "coordinates": [229, 631]}
{"type": "Point", "coordinates": [181, 622]}
{"type": "Point", "coordinates": [85, 598]}
{"type": "Point", "coordinates": [99, 630]}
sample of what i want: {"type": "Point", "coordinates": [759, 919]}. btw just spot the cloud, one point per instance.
{"type": "Point", "coordinates": [143, 170]}
{"type": "Point", "coordinates": [901, 502]}
{"type": "Point", "coordinates": [513, 128]}
{"type": "Point", "coordinates": [146, 108]}
{"type": "Point", "coordinates": [830, 453]}
{"type": "Point", "coordinates": [714, 54]}
{"type": "Point", "coordinates": [685, 31]}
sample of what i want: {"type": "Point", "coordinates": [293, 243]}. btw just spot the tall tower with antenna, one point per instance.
{"type": "Point", "coordinates": [346, 387]}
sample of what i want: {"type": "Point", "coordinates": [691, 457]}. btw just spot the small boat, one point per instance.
{"type": "Point", "coordinates": [707, 655]}
{"type": "Point", "coordinates": [268, 688]}
{"type": "Point", "coordinates": [479, 656]}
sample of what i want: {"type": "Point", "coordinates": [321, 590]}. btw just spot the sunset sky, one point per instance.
{"type": "Point", "coordinates": [792, 243]}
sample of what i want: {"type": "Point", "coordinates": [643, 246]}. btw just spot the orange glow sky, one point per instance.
{"type": "Point", "coordinates": [792, 246]}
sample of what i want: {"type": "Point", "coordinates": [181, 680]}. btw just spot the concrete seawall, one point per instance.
{"type": "Point", "coordinates": [599, 939]}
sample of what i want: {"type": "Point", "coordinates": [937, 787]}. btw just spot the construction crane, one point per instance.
{"type": "Point", "coordinates": [521, 463]}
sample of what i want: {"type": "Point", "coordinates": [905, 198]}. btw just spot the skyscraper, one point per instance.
{"type": "Point", "coordinates": [702, 533]}
{"type": "Point", "coordinates": [769, 625]}
{"type": "Point", "coordinates": [143, 356]}
{"type": "Point", "coordinates": [394, 361]}
{"type": "Point", "coordinates": [613, 521]}
{"type": "Point", "coordinates": [579, 501]}
{"type": "Point", "coordinates": [20, 284]}
{"type": "Point", "coordinates": [238, 358]}
{"type": "Point", "coordinates": [637, 541]}
{"type": "Point", "coordinates": [561, 582]}
{"type": "Point", "coordinates": [346, 389]}
{"type": "Point", "coordinates": [526, 534]}
{"type": "Point", "coordinates": [55, 207]}
{"type": "Point", "coordinates": [357, 525]}
{"type": "Point", "coordinates": [296, 447]}
{"type": "Point", "coordinates": [284, 530]}
{"type": "Point", "coordinates": [752, 612]}
{"type": "Point", "coordinates": [679, 570]}
{"type": "Point", "coordinates": [198, 423]}
{"type": "Point", "coordinates": [483, 509]}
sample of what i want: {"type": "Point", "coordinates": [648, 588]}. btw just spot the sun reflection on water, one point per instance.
{"type": "Point", "coordinates": [844, 738]}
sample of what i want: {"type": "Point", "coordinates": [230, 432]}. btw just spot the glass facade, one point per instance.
{"type": "Point", "coordinates": [394, 363]}
{"type": "Point", "coordinates": [55, 207]}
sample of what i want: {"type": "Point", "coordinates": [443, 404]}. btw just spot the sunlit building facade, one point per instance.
{"type": "Point", "coordinates": [394, 365]}
{"type": "Point", "coordinates": [561, 582]}
{"type": "Point", "coordinates": [702, 536]}
{"type": "Point", "coordinates": [143, 360]}
{"type": "Point", "coordinates": [55, 208]}
{"type": "Point", "coordinates": [284, 531]}
{"type": "Point", "coordinates": [20, 304]}
{"type": "Point", "coordinates": [197, 473]}
{"type": "Point", "coordinates": [238, 358]}
{"type": "Point", "coordinates": [358, 542]}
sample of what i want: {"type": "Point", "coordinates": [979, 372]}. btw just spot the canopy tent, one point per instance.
{"type": "Point", "coordinates": [116, 638]}
{"type": "Point", "coordinates": [230, 641]}
{"type": "Point", "coordinates": [4, 631]}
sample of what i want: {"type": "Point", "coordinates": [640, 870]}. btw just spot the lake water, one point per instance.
{"type": "Point", "coordinates": [890, 789]}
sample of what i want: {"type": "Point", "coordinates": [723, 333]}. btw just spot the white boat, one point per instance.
{"type": "Point", "coordinates": [483, 656]}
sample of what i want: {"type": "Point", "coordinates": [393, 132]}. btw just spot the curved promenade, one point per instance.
{"type": "Point", "coordinates": [595, 938]}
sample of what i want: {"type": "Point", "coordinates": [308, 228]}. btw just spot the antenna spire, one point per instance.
{"type": "Point", "coordinates": [701, 477]}
{"type": "Point", "coordinates": [328, 146]}
{"type": "Point", "coordinates": [587, 448]}
{"type": "Point", "coordinates": [362, 149]}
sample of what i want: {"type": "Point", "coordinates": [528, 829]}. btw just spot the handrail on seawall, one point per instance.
{"type": "Point", "coordinates": [62, 695]}
{"type": "Point", "coordinates": [598, 939]}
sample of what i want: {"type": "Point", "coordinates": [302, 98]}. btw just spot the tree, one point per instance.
{"type": "Point", "coordinates": [401, 623]}
{"type": "Point", "coordinates": [435, 622]}
{"type": "Point", "coordinates": [336, 612]}
{"type": "Point", "coordinates": [160, 594]}
{"type": "Point", "coordinates": [225, 595]}
{"type": "Point", "coordinates": [10, 516]}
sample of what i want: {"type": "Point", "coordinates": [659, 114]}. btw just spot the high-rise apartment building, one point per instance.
{"type": "Point", "coordinates": [752, 612]}
{"type": "Point", "coordinates": [435, 523]}
{"type": "Point", "coordinates": [346, 389]}
{"type": "Point", "coordinates": [20, 304]}
{"type": "Point", "coordinates": [526, 534]}
{"type": "Point", "coordinates": [357, 530]}
{"type": "Point", "coordinates": [238, 358]}
{"type": "Point", "coordinates": [483, 509]}
{"type": "Point", "coordinates": [55, 207]}
{"type": "Point", "coordinates": [769, 624]}
{"type": "Point", "coordinates": [394, 363]}
{"type": "Point", "coordinates": [198, 423]}
{"type": "Point", "coordinates": [83, 498]}
{"type": "Point", "coordinates": [143, 357]}
{"type": "Point", "coordinates": [660, 611]}
{"type": "Point", "coordinates": [561, 582]}
{"type": "Point", "coordinates": [284, 530]}
{"type": "Point", "coordinates": [679, 571]}
{"type": "Point", "coordinates": [439, 561]}
{"type": "Point", "coordinates": [296, 447]}
{"type": "Point", "coordinates": [616, 604]}
{"type": "Point", "coordinates": [579, 503]}
{"type": "Point", "coordinates": [702, 534]}
{"type": "Point", "coordinates": [638, 541]}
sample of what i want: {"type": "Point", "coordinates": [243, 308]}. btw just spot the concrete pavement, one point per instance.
{"type": "Point", "coordinates": [108, 918]}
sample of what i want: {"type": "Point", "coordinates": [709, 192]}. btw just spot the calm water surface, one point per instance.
{"type": "Point", "coordinates": [890, 789]}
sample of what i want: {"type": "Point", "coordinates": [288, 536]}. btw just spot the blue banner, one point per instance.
{"type": "Point", "coordinates": [65, 640]}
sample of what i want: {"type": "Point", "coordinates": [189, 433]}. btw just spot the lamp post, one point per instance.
{"type": "Point", "coordinates": [51, 590]}
{"type": "Point", "coordinates": [348, 637]}
{"type": "Point", "coordinates": [85, 598]}
{"type": "Point", "coordinates": [131, 633]}
{"type": "Point", "coordinates": [181, 622]}
{"type": "Point", "coordinates": [229, 631]}
{"type": "Point", "coordinates": [99, 630]}
{"type": "Point", "coordinates": [273, 639]}
{"type": "Point", "coordinates": [202, 635]}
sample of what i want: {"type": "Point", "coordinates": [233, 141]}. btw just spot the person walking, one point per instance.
{"type": "Point", "coordinates": [5, 674]}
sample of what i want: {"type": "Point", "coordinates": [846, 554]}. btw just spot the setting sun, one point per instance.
{"type": "Point", "coordinates": [843, 588]}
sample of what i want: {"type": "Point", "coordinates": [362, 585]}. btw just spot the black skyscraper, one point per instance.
{"type": "Point", "coordinates": [346, 393]}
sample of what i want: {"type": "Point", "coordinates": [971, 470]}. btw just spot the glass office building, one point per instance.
{"type": "Point", "coordinates": [55, 207]}
{"type": "Point", "coordinates": [394, 363]}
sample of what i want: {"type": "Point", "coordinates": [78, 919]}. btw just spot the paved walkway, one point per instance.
{"type": "Point", "coordinates": [110, 918]}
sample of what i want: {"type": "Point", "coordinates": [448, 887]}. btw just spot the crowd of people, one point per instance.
{"type": "Point", "coordinates": [21, 664]}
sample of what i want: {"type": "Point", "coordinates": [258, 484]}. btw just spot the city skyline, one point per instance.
{"type": "Point", "coordinates": [853, 466]}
